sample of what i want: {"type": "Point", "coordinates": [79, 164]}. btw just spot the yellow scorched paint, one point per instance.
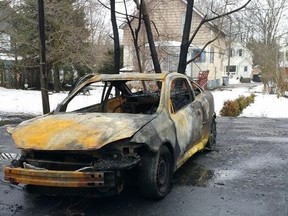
{"type": "Point", "coordinates": [198, 147]}
{"type": "Point", "coordinates": [50, 132]}
{"type": "Point", "coordinates": [40, 133]}
{"type": "Point", "coordinates": [72, 132]}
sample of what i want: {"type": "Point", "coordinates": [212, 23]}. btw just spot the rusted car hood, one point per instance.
{"type": "Point", "coordinates": [75, 131]}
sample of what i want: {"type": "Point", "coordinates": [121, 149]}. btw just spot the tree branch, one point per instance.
{"type": "Point", "coordinates": [205, 19]}
{"type": "Point", "coordinates": [203, 48]}
{"type": "Point", "coordinates": [116, 12]}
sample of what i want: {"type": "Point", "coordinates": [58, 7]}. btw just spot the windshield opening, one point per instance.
{"type": "Point", "coordinates": [136, 97]}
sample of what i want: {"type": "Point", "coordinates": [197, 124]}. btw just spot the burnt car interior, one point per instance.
{"type": "Point", "coordinates": [180, 94]}
{"type": "Point", "coordinates": [119, 97]}
{"type": "Point", "coordinates": [135, 97]}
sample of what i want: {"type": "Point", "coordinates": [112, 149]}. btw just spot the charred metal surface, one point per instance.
{"type": "Point", "coordinates": [125, 163]}
{"type": "Point", "coordinates": [48, 161]}
{"type": "Point", "coordinates": [157, 132]}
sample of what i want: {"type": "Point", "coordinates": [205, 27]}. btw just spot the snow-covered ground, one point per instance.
{"type": "Point", "coordinates": [265, 105]}
{"type": "Point", "coordinates": [26, 101]}
{"type": "Point", "coordinates": [29, 101]}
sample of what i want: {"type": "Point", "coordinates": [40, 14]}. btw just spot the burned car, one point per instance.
{"type": "Point", "coordinates": [130, 127]}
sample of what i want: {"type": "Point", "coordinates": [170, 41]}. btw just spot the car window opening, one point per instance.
{"type": "Point", "coordinates": [135, 97]}
{"type": "Point", "coordinates": [180, 94]}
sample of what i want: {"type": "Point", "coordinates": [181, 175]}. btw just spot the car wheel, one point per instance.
{"type": "Point", "coordinates": [213, 134]}
{"type": "Point", "coordinates": [156, 173]}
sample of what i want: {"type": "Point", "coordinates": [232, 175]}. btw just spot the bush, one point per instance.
{"type": "Point", "coordinates": [242, 102]}
{"type": "Point", "coordinates": [251, 99]}
{"type": "Point", "coordinates": [230, 108]}
{"type": "Point", "coordinates": [234, 108]}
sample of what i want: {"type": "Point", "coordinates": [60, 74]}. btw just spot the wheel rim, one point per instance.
{"type": "Point", "coordinates": [212, 138]}
{"type": "Point", "coordinates": [162, 174]}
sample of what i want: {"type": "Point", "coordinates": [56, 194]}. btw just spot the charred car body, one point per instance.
{"type": "Point", "coordinates": [145, 124]}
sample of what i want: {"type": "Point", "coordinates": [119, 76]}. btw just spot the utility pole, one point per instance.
{"type": "Point", "coordinates": [229, 46]}
{"type": "Point", "coordinates": [43, 69]}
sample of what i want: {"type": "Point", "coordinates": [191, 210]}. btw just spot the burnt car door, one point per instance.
{"type": "Point", "coordinates": [203, 97]}
{"type": "Point", "coordinates": [186, 114]}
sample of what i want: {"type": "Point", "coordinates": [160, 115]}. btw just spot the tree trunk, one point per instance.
{"type": "Point", "coordinates": [117, 50]}
{"type": "Point", "coordinates": [150, 38]}
{"type": "Point", "coordinates": [185, 38]}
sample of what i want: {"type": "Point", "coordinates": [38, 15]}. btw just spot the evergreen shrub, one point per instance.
{"type": "Point", "coordinates": [234, 108]}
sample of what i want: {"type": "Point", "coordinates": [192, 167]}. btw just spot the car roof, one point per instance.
{"type": "Point", "coordinates": [128, 76]}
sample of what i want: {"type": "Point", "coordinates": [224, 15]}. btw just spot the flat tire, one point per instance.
{"type": "Point", "coordinates": [156, 173]}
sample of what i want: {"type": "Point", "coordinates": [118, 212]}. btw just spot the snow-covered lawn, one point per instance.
{"type": "Point", "coordinates": [265, 105]}
{"type": "Point", "coordinates": [29, 101]}
{"type": "Point", "coordinates": [26, 101]}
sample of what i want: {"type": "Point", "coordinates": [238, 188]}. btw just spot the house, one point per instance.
{"type": "Point", "coordinates": [240, 59]}
{"type": "Point", "coordinates": [168, 21]}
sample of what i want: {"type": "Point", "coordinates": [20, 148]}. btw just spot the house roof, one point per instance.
{"type": "Point", "coordinates": [185, 2]}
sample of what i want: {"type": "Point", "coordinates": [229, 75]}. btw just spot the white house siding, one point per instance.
{"type": "Point", "coordinates": [242, 64]}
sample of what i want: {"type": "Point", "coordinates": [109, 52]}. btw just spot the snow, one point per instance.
{"type": "Point", "coordinates": [265, 105]}
{"type": "Point", "coordinates": [26, 101]}
{"type": "Point", "coordinates": [29, 101]}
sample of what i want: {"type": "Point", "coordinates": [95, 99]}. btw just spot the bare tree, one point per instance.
{"type": "Point", "coordinates": [267, 26]}
{"type": "Point", "coordinates": [187, 40]}
{"type": "Point", "coordinates": [150, 38]}
{"type": "Point", "coordinates": [135, 32]}
{"type": "Point", "coordinates": [212, 15]}
{"type": "Point", "coordinates": [100, 30]}
{"type": "Point", "coordinates": [117, 51]}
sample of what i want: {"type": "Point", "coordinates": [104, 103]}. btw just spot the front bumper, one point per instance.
{"type": "Point", "coordinates": [70, 179]}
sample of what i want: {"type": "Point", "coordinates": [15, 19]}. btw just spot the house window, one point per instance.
{"type": "Point", "coordinates": [212, 55]}
{"type": "Point", "coordinates": [245, 68]}
{"type": "Point", "coordinates": [240, 52]}
{"type": "Point", "coordinates": [232, 52]}
{"type": "Point", "coordinates": [201, 57]}
{"type": "Point", "coordinates": [232, 69]}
